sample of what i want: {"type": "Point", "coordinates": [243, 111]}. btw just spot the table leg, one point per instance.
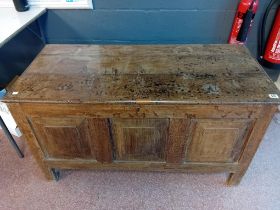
{"type": "Point", "coordinates": [55, 174]}
{"type": "Point", "coordinates": [10, 138]}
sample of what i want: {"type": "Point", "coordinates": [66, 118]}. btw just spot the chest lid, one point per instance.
{"type": "Point", "coordinates": [191, 74]}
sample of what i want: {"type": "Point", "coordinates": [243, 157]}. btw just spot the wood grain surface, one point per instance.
{"type": "Point", "coordinates": [192, 74]}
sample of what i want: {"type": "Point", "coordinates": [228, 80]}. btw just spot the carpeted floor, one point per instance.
{"type": "Point", "coordinates": [22, 185]}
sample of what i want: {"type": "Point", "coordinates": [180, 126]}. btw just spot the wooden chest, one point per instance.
{"type": "Point", "coordinates": [186, 108]}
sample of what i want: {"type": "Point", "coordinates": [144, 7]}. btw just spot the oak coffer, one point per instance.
{"type": "Point", "coordinates": [186, 108]}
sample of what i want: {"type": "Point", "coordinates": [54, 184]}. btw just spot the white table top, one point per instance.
{"type": "Point", "coordinates": [12, 22]}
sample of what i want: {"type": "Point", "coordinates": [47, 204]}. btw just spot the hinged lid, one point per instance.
{"type": "Point", "coordinates": [191, 74]}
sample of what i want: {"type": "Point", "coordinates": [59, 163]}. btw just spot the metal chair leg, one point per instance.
{"type": "Point", "coordinates": [10, 138]}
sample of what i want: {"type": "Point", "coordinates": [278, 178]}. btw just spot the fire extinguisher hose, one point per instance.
{"type": "Point", "coordinates": [243, 33]}
{"type": "Point", "coordinates": [261, 37]}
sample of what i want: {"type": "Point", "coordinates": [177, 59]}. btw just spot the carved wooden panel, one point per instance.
{"type": "Point", "coordinates": [73, 137]}
{"type": "Point", "coordinates": [140, 139]}
{"type": "Point", "coordinates": [216, 140]}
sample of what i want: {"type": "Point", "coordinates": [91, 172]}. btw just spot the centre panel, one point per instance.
{"type": "Point", "coordinates": [140, 139]}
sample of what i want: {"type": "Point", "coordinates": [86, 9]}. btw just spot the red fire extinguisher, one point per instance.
{"type": "Point", "coordinates": [243, 21]}
{"type": "Point", "coordinates": [271, 56]}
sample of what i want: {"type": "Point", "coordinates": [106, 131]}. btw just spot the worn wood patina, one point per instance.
{"type": "Point", "coordinates": [198, 108]}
